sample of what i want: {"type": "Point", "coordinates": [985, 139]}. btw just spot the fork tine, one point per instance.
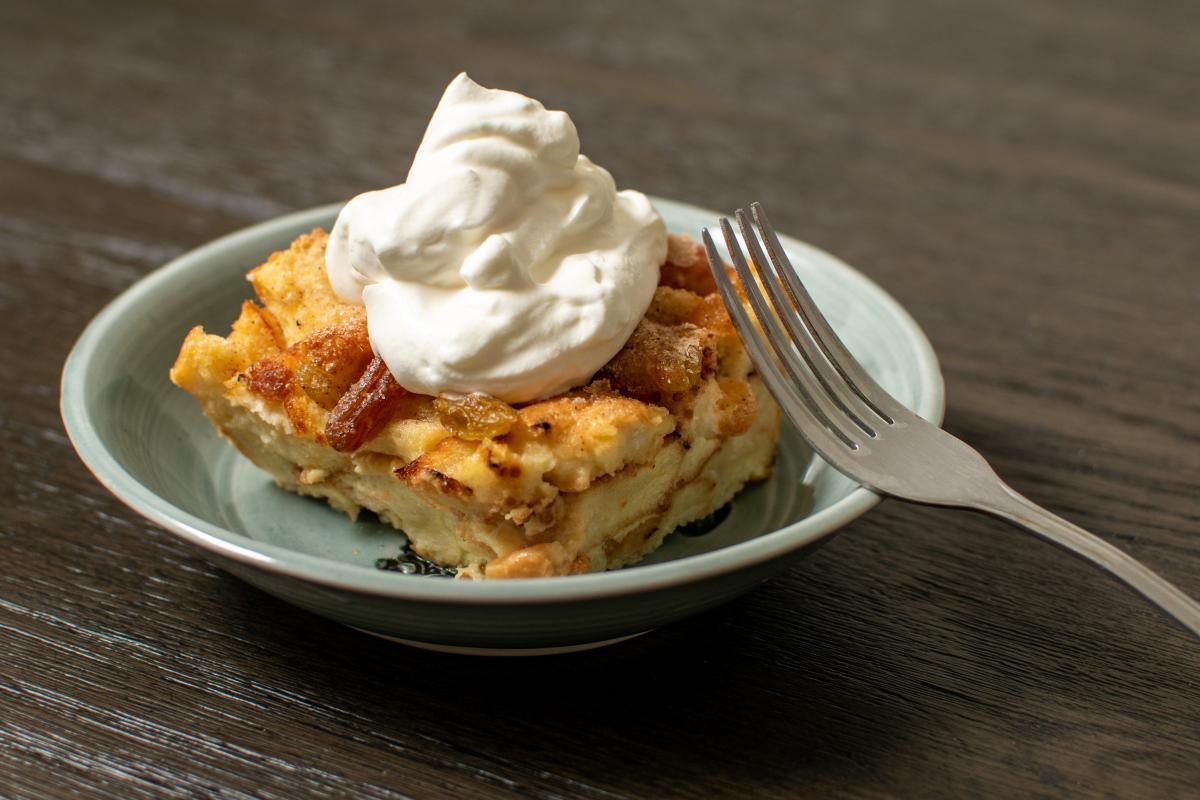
{"type": "Point", "coordinates": [825, 410]}
{"type": "Point", "coordinates": [796, 401]}
{"type": "Point", "coordinates": [862, 384]}
{"type": "Point", "coordinates": [803, 339]}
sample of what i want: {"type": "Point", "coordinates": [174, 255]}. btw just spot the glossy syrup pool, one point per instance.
{"type": "Point", "coordinates": [407, 562]}
{"type": "Point", "coordinates": [703, 525]}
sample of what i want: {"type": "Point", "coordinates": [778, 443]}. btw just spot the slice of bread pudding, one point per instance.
{"type": "Point", "coordinates": [665, 434]}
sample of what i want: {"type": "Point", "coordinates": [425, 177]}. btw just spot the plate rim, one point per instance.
{"type": "Point", "coordinates": [313, 569]}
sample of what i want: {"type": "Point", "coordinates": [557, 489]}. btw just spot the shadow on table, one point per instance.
{"type": "Point", "coordinates": [719, 697]}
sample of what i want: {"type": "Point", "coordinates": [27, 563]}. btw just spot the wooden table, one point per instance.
{"type": "Point", "coordinates": [1023, 176]}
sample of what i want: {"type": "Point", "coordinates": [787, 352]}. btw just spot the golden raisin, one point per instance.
{"type": "Point", "coordinates": [331, 360]}
{"type": "Point", "coordinates": [318, 385]}
{"type": "Point", "coordinates": [475, 416]}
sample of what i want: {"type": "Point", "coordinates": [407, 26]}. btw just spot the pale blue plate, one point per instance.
{"type": "Point", "coordinates": [148, 443]}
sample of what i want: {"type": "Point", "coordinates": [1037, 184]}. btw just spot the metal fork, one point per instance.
{"type": "Point", "coordinates": [864, 432]}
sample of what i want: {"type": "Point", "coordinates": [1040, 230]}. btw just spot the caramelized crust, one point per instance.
{"type": "Point", "coordinates": [297, 388]}
{"type": "Point", "coordinates": [687, 267]}
{"type": "Point", "coordinates": [293, 286]}
{"type": "Point", "coordinates": [663, 363]}
{"type": "Point", "coordinates": [271, 377]}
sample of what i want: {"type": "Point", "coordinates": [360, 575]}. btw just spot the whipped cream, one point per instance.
{"type": "Point", "coordinates": [507, 263]}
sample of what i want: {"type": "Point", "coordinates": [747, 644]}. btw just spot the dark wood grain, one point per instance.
{"type": "Point", "coordinates": [1023, 176]}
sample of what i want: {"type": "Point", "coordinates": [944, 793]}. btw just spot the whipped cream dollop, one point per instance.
{"type": "Point", "coordinates": [507, 263]}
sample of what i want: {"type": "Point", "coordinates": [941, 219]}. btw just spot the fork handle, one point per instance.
{"type": "Point", "coordinates": [1011, 506]}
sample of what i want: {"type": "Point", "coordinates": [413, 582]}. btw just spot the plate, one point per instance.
{"type": "Point", "coordinates": [148, 443]}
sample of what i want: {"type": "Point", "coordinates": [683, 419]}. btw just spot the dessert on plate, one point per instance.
{"type": "Point", "coordinates": [504, 357]}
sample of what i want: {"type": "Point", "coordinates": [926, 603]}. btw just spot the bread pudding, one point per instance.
{"type": "Point", "coordinates": [666, 433]}
{"type": "Point", "coordinates": [505, 357]}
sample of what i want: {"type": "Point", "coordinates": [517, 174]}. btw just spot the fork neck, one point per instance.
{"type": "Point", "coordinates": [1008, 504]}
